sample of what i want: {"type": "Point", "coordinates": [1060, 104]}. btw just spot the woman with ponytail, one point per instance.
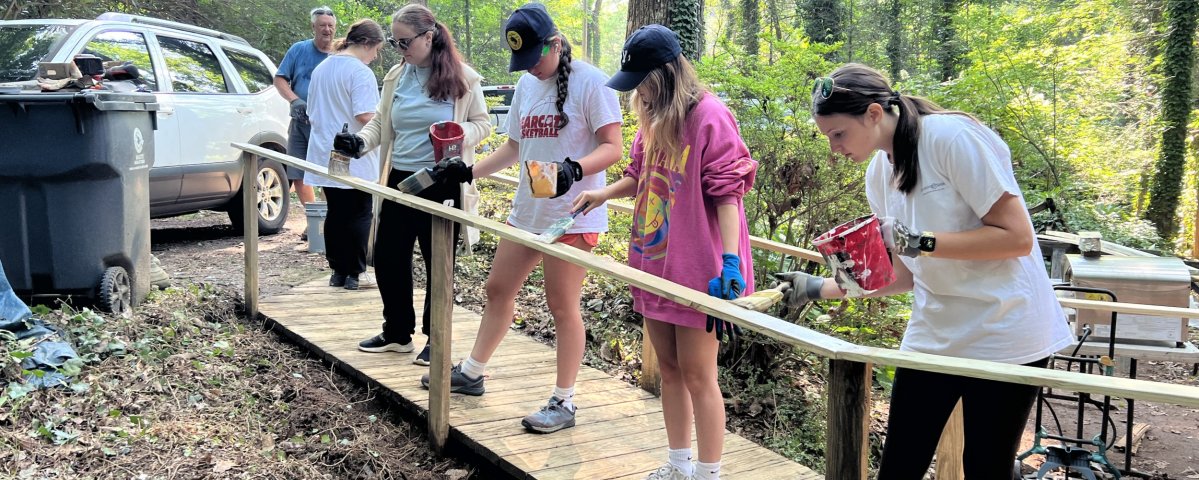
{"type": "Point", "coordinates": [560, 112]}
{"type": "Point", "coordinates": [343, 93]}
{"type": "Point", "coordinates": [432, 84]}
{"type": "Point", "coordinates": [961, 240]}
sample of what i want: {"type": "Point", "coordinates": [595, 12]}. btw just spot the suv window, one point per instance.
{"type": "Point", "coordinates": [253, 72]}
{"type": "Point", "coordinates": [193, 66]}
{"type": "Point", "coordinates": [498, 97]}
{"type": "Point", "coordinates": [22, 47]}
{"type": "Point", "coordinates": [125, 47]}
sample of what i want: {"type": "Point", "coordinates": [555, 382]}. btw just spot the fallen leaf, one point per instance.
{"type": "Point", "coordinates": [223, 466]}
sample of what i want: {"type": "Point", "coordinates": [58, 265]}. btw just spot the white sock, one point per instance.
{"type": "Point", "coordinates": [681, 459]}
{"type": "Point", "coordinates": [707, 471]}
{"type": "Point", "coordinates": [567, 396]}
{"type": "Point", "coordinates": [472, 368]}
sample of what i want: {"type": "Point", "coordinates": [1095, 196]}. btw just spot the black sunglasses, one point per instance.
{"type": "Point", "coordinates": [402, 44]}
{"type": "Point", "coordinates": [321, 11]}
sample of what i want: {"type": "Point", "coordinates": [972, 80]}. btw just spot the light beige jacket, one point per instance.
{"type": "Point", "coordinates": [470, 111]}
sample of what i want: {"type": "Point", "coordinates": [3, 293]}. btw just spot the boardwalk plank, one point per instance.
{"type": "Point", "coordinates": [619, 434]}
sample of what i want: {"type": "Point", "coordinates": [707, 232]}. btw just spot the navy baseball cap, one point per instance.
{"type": "Point", "coordinates": [526, 31]}
{"type": "Point", "coordinates": [647, 48]}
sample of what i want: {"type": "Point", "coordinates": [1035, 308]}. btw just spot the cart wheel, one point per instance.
{"type": "Point", "coordinates": [116, 292]}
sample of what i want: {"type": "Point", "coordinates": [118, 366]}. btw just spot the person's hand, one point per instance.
{"type": "Point", "coordinates": [453, 170]}
{"type": "Point", "coordinates": [569, 171]}
{"type": "Point", "coordinates": [803, 287]}
{"type": "Point", "coordinates": [299, 109]}
{"type": "Point", "coordinates": [589, 200]}
{"type": "Point", "coordinates": [347, 143]}
{"type": "Point", "coordinates": [898, 237]}
{"type": "Point", "coordinates": [728, 285]}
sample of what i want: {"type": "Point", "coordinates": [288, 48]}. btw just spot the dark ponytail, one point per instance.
{"type": "Point", "coordinates": [856, 87]}
{"type": "Point", "coordinates": [564, 69]}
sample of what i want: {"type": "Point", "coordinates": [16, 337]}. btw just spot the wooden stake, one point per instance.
{"type": "Point", "coordinates": [848, 420]}
{"type": "Point", "coordinates": [249, 195]}
{"type": "Point", "coordinates": [441, 305]}
{"type": "Point", "coordinates": [953, 443]}
{"type": "Point", "coordinates": [651, 377]}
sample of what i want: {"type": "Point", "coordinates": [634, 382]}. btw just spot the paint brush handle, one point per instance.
{"type": "Point", "coordinates": [580, 210]}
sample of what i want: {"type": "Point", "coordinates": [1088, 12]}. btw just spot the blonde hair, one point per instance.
{"type": "Point", "coordinates": [662, 102]}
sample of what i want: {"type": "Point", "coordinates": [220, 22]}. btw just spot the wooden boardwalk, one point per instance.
{"type": "Point", "coordinates": [619, 435]}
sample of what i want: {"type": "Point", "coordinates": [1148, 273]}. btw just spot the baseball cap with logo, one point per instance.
{"type": "Point", "coordinates": [526, 31]}
{"type": "Point", "coordinates": [647, 48]}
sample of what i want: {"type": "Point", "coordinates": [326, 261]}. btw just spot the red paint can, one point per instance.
{"type": "Point", "coordinates": [856, 254]}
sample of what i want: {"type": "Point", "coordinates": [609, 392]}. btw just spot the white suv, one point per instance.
{"type": "Point", "coordinates": [212, 88]}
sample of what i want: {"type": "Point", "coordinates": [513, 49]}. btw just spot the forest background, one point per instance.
{"type": "Point", "coordinates": [1094, 97]}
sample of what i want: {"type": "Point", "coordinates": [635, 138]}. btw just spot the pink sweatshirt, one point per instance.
{"type": "Point", "coordinates": [675, 233]}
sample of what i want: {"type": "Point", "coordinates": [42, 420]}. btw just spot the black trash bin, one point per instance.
{"type": "Point", "coordinates": [74, 201]}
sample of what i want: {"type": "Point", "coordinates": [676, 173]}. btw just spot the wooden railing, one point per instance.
{"type": "Point", "coordinates": [847, 446]}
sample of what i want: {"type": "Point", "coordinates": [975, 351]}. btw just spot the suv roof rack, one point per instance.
{"type": "Point", "coordinates": [125, 17]}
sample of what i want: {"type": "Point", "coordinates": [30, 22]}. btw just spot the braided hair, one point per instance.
{"type": "Point", "coordinates": [564, 69]}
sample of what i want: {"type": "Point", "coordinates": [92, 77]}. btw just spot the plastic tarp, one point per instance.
{"type": "Point", "coordinates": [49, 353]}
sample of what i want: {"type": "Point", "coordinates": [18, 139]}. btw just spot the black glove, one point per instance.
{"type": "Point", "coordinates": [347, 143]}
{"type": "Point", "coordinates": [569, 172]}
{"type": "Point", "coordinates": [453, 170]}
{"type": "Point", "coordinates": [299, 110]}
{"type": "Point", "coordinates": [728, 285]}
{"type": "Point", "coordinates": [804, 287]}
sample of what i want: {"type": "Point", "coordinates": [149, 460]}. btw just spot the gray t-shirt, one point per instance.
{"type": "Point", "coordinates": [412, 112]}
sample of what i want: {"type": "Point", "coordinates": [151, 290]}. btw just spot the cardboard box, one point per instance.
{"type": "Point", "coordinates": [1163, 281]}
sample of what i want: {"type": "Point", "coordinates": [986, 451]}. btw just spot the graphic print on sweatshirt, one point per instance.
{"type": "Point", "coordinates": [651, 222]}
{"type": "Point", "coordinates": [541, 120]}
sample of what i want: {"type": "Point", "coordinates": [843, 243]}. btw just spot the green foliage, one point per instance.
{"type": "Point", "coordinates": [685, 20]}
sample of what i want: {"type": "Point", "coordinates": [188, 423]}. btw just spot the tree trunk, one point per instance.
{"type": "Point", "coordinates": [895, 39]}
{"type": "Point", "coordinates": [465, 35]}
{"type": "Point", "coordinates": [751, 26]}
{"type": "Point", "coordinates": [824, 20]}
{"type": "Point", "coordinates": [947, 39]}
{"type": "Point", "coordinates": [1181, 16]}
{"type": "Point", "coordinates": [594, 30]}
{"type": "Point", "coordinates": [685, 17]}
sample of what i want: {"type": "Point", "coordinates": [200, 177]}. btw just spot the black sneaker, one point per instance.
{"type": "Point", "coordinates": [351, 282]}
{"type": "Point", "coordinates": [378, 344]}
{"type": "Point", "coordinates": [337, 280]}
{"type": "Point", "coordinates": [423, 357]}
{"type": "Point", "coordinates": [459, 382]}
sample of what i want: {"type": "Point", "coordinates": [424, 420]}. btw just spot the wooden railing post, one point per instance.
{"type": "Point", "coordinates": [249, 195]}
{"type": "Point", "coordinates": [651, 377]}
{"type": "Point", "coordinates": [441, 305]}
{"type": "Point", "coordinates": [847, 444]}
{"type": "Point", "coordinates": [949, 450]}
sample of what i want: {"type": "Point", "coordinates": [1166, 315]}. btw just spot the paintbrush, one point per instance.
{"type": "Point", "coordinates": [559, 228]}
{"type": "Point", "coordinates": [762, 300]}
{"type": "Point", "coordinates": [417, 182]}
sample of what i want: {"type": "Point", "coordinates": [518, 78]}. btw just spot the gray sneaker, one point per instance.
{"type": "Point", "coordinates": [459, 382]}
{"type": "Point", "coordinates": [551, 418]}
{"type": "Point", "coordinates": [668, 472]}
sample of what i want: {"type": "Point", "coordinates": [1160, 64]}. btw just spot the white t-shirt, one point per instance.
{"type": "Point", "coordinates": [341, 88]}
{"type": "Point", "coordinates": [998, 310]}
{"type": "Point", "coordinates": [532, 122]}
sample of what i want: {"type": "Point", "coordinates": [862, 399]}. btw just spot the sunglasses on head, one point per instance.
{"type": "Point", "coordinates": [403, 43]}
{"type": "Point", "coordinates": [321, 11]}
{"type": "Point", "coordinates": [824, 87]}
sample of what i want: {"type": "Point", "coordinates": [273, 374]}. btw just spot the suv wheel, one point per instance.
{"type": "Point", "coordinates": [272, 199]}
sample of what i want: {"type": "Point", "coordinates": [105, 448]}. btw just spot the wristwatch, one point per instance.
{"type": "Point", "coordinates": [926, 244]}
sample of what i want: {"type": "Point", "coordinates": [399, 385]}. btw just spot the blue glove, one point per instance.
{"type": "Point", "coordinates": [728, 285]}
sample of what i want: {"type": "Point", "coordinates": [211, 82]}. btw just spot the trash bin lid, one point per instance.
{"type": "Point", "coordinates": [101, 100]}
{"type": "Point", "coordinates": [1142, 270]}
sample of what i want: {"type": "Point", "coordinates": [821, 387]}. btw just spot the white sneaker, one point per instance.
{"type": "Point", "coordinates": [668, 472]}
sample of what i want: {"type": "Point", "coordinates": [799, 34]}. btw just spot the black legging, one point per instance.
{"type": "Point", "coordinates": [399, 228]}
{"type": "Point", "coordinates": [994, 415]}
{"type": "Point", "coordinates": [347, 229]}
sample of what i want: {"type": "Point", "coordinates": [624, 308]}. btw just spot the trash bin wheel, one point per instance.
{"type": "Point", "coordinates": [116, 291]}
{"type": "Point", "coordinates": [272, 198]}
